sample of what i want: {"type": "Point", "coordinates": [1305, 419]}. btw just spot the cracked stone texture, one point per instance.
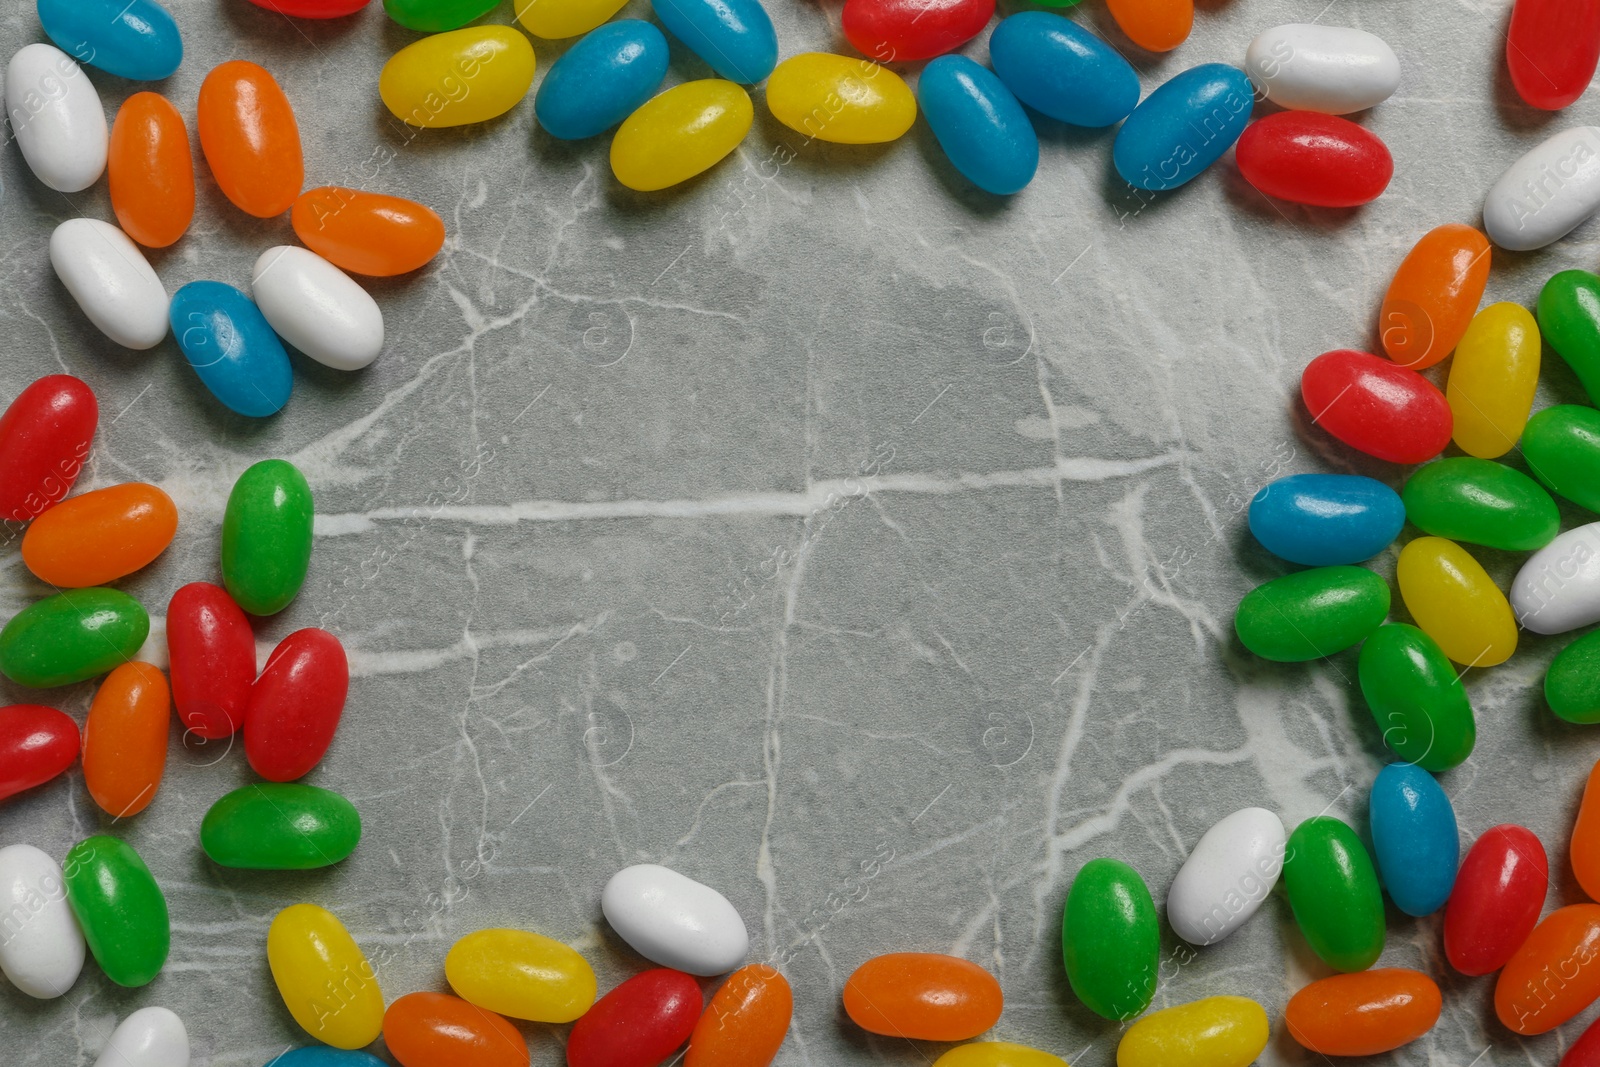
{"type": "Point", "coordinates": [852, 541]}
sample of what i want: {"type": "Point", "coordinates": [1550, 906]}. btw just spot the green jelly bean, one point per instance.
{"type": "Point", "coordinates": [1109, 939]}
{"type": "Point", "coordinates": [1333, 892]}
{"type": "Point", "coordinates": [435, 16]}
{"type": "Point", "coordinates": [1562, 447]}
{"type": "Point", "coordinates": [72, 636]}
{"type": "Point", "coordinates": [1569, 322]}
{"type": "Point", "coordinates": [1416, 698]}
{"type": "Point", "coordinates": [1481, 502]}
{"type": "Point", "coordinates": [266, 536]}
{"type": "Point", "coordinates": [1311, 614]}
{"type": "Point", "coordinates": [280, 826]}
{"type": "Point", "coordinates": [120, 907]}
{"type": "Point", "coordinates": [1572, 684]}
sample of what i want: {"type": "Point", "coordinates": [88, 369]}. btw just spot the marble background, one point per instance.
{"type": "Point", "coordinates": [855, 542]}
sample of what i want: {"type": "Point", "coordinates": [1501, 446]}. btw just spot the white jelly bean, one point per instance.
{"type": "Point", "coordinates": [317, 307]}
{"type": "Point", "coordinates": [1331, 69]}
{"type": "Point", "coordinates": [41, 946]}
{"type": "Point", "coordinates": [1547, 192]}
{"type": "Point", "coordinates": [56, 118]}
{"type": "Point", "coordinates": [1227, 876]}
{"type": "Point", "coordinates": [674, 920]}
{"type": "Point", "coordinates": [1558, 588]}
{"type": "Point", "coordinates": [150, 1037]}
{"type": "Point", "coordinates": [111, 280]}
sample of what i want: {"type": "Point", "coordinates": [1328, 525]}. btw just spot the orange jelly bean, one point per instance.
{"type": "Point", "coordinates": [125, 739]}
{"type": "Point", "coordinates": [100, 536]}
{"type": "Point", "coordinates": [1555, 974]}
{"type": "Point", "coordinates": [438, 1030]}
{"type": "Point", "coordinates": [1154, 25]}
{"type": "Point", "coordinates": [367, 233]}
{"type": "Point", "coordinates": [1434, 294]}
{"type": "Point", "coordinates": [923, 995]}
{"type": "Point", "coordinates": [250, 139]}
{"type": "Point", "coordinates": [1364, 1014]}
{"type": "Point", "coordinates": [1585, 849]}
{"type": "Point", "coordinates": [745, 1022]}
{"type": "Point", "coordinates": [151, 171]}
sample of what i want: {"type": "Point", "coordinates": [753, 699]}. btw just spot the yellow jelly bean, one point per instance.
{"type": "Point", "coordinates": [1492, 379]}
{"type": "Point", "coordinates": [1455, 602]}
{"type": "Point", "coordinates": [325, 981]}
{"type": "Point", "coordinates": [1214, 1032]}
{"type": "Point", "coordinates": [836, 98]}
{"type": "Point", "coordinates": [555, 19]}
{"type": "Point", "coordinates": [683, 132]}
{"type": "Point", "coordinates": [523, 975]}
{"type": "Point", "coordinates": [460, 77]}
{"type": "Point", "coordinates": [997, 1054]}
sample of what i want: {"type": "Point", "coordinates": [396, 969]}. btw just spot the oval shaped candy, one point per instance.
{"type": "Point", "coordinates": [1227, 877]}
{"type": "Point", "coordinates": [1455, 602]}
{"type": "Point", "coordinates": [1482, 503]}
{"type": "Point", "coordinates": [45, 435]}
{"type": "Point", "coordinates": [266, 536]}
{"type": "Point", "coordinates": [211, 653]}
{"type": "Point", "coordinates": [1062, 70]}
{"type": "Point", "coordinates": [231, 347]}
{"type": "Point", "coordinates": [43, 954]}
{"type": "Point", "coordinates": [979, 124]}
{"type": "Point", "coordinates": [311, 954]}
{"type": "Point", "coordinates": [120, 908]}
{"type": "Point", "coordinates": [1572, 682]}
{"type": "Point", "coordinates": [521, 974]}
{"type": "Point", "coordinates": [734, 37]}
{"type": "Point", "coordinates": [1417, 698]}
{"type": "Point", "coordinates": [280, 826]}
{"type": "Point", "coordinates": [1584, 1052]}
{"type": "Point", "coordinates": [1552, 47]}
{"type": "Point", "coordinates": [134, 39]}
{"type": "Point", "coordinates": [250, 139]}
{"type": "Point", "coordinates": [1332, 69]}
{"type": "Point", "coordinates": [997, 1054]}
{"type": "Point", "coordinates": [745, 1023]}
{"type": "Point", "coordinates": [1183, 127]}
{"type": "Point", "coordinates": [839, 99]}
{"type": "Point", "coordinates": [438, 1030]}
{"type": "Point", "coordinates": [1414, 838]}
{"type": "Point", "coordinates": [923, 996]}
{"type": "Point", "coordinates": [112, 282]}
{"type": "Point", "coordinates": [1214, 1032]}
{"type": "Point", "coordinates": [1544, 195]}
{"type": "Point", "coordinates": [36, 744]}
{"type": "Point", "coordinates": [556, 19]}
{"type": "Point", "coordinates": [323, 1056]}
{"type": "Point", "coordinates": [1498, 894]}
{"type": "Point", "coordinates": [1554, 975]}
{"type": "Point", "coordinates": [1311, 614]}
{"type": "Point", "coordinates": [458, 78]}
{"type": "Point", "coordinates": [56, 118]}
{"type": "Point", "coordinates": [367, 233]}
{"type": "Point", "coordinates": [150, 1037]}
{"type": "Point", "coordinates": [602, 79]}
{"type": "Point", "coordinates": [125, 739]}
{"type": "Point", "coordinates": [904, 31]}
{"type": "Point", "coordinates": [1154, 25]}
{"type": "Point", "coordinates": [1364, 1014]}
{"type": "Point", "coordinates": [1376, 407]}
{"type": "Point", "coordinates": [1562, 447]}
{"type": "Point", "coordinates": [100, 536]}
{"type": "Point", "coordinates": [71, 637]}
{"type": "Point", "coordinates": [317, 308]}
{"type": "Point", "coordinates": [1492, 380]}
{"type": "Point", "coordinates": [1558, 588]}
{"type": "Point", "coordinates": [436, 16]}
{"type": "Point", "coordinates": [1569, 319]}
{"type": "Point", "coordinates": [683, 132]}
{"type": "Point", "coordinates": [151, 171]}
{"type": "Point", "coordinates": [312, 9]}
{"type": "Point", "coordinates": [1109, 940]}
{"type": "Point", "coordinates": [1333, 892]}
{"type": "Point", "coordinates": [673, 920]}
{"type": "Point", "coordinates": [1324, 520]}
{"type": "Point", "coordinates": [1434, 295]}
{"type": "Point", "coordinates": [1585, 844]}
{"type": "Point", "coordinates": [295, 705]}
{"type": "Point", "coordinates": [638, 1024]}
{"type": "Point", "coordinates": [1307, 157]}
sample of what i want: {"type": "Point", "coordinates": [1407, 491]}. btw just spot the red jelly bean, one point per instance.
{"type": "Point", "coordinates": [313, 9]}
{"type": "Point", "coordinates": [1372, 405]}
{"type": "Point", "coordinates": [438, 1030]}
{"type": "Point", "coordinates": [900, 31]}
{"type": "Point", "coordinates": [295, 705]}
{"type": "Point", "coordinates": [1496, 901]}
{"type": "Point", "coordinates": [36, 744]}
{"type": "Point", "coordinates": [1552, 47]}
{"type": "Point", "coordinates": [213, 660]}
{"type": "Point", "coordinates": [1585, 1052]}
{"type": "Point", "coordinates": [44, 439]}
{"type": "Point", "coordinates": [638, 1024]}
{"type": "Point", "coordinates": [1311, 158]}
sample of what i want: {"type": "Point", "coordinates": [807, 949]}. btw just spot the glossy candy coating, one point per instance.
{"type": "Point", "coordinates": [1332, 69]}
{"type": "Point", "coordinates": [904, 31]}
{"type": "Point", "coordinates": [36, 744]}
{"type": "Point", "coordinates": [71, 637]}
{"type": "Point", "coordinates": [1214, 1032]}
{"type": "Point", "coordinates": [923, 996]}
{"type": "Point", "coordinates": [1416, 698]}
{"type": "Point", "coordinates": [1062, 70]}
{"type": "Point", "coordinates": [734, 37]}
{"type": "Point", "coordinates": [111, 281]}
{"type": "Point", "coordinates": [640, 1023]}
{"type": "Point", "coordinates": [1311, 614]}
{"type": "Point", "coordinates": [997, 1054]}
{"type": "Point", "coordinates": [1499, 892]}
{"type": "Point", "coordinates": [125, 739]}
{"type": "Point", "coordinates": [317, 308]}
{"type": "Point", "coordinates": [1310, 158]}
{"type": "Point", "coordinates": [1584, 1052]}
{"type": "Point", "coordinates": [1569, 319]}
{"type": "Point", "coordinates": [840, 99]}
{"type": "Point", "coordinates": [1557, 588]}
{"type": "Point", "coordinates": [1552, 47]}
{"type": "Point", "coordinates": [1414, 838]}
{"type": "Point", "coordinates": [438, 1030]}
{"type": "Point", "coordinates": [250, 138]}
{"type": "Point", "coordinates": [1154, 25]}
{"type": "Point", "coordinates": [323, 1056]}
{"type": "Point", "coordinates": [1434, 295]}
{"type": "Point", "coordinates": [1455, 602]}
{"type": "Point", "coordinates": [1572, 683]}
{"type": "Point", "coordinates": [1324, 520]}
{"type": "Point", "coordinates": [1544, 195]}
{"type": "Point", "coordinates": [1183, 127]}
{"type": "Point", "coordinates": [602, 79]}
{"type": "Point", "coordinates": [671, 919]}
{"type": "Point", "coordinates": [44, 955]}
{"type": "Point", "coordinates": [522, 975]}
{"type": "Point", "coordinates": [100, 536]}
{"type": "Point", "coordinates": [1110, 942]}
{"type": "Point", "coordinates": [557, 19]}
{"type": "Point", "coordinates": [1333, 891]}
{"type": "Point", "coordinates": [56, 118]}
{"type": "Point", "coordinates": [1365, 1014]}
{"type": "Point", "coordinates": [120, 909]}
{"type": "Point", "coordinates": [1554, 975]}
{"type": "Point", "coordinates": [325, 981]}
{"type": "Point", "coordinates": [150, 1037]}
{"type": "Point", "coordinates": [231, 347]}
{"type": "Point", "coordinates": [1562, 447]}
{"type": "Point", "coordinates": [1481, 502]}
{"type": "Point", "coordinates": [151, 171]}
{"type": "Point", "coordinates": [745, 1023]}
{"type": "Point", "coordinates": [280, 826]}
{"type": "Point", "coordinates": [313, 9]}
{"type": "Point", "coordinates": [45, 434]}
{"type": "Point", "coordinates": [295, 705]}
{"type": "Point", "coordinates": [134, 39]}
{"type": "Point", "coordinates": [1227, 877]}
{"type": "Point", "coordinates": [683, 132]}
{"type": "Point", "coordinates": [367, 233]}
{"type": "Point", "coordinates": [458, 78]}
{"type": "Point", "coordinates": [266, 536]}
{"type": "Point", "coordinates": [211, 653]}
{"type": "Point", "coordinates": [1376, 407]}
{"type": "Point", "coordinates": [1492, 380]}
{"type": "Point", "coordinates": [436, 16]}
{"type": "Point", "coordinates": [979, 124]}
{"type": "Point", "coordinates": [1585, 845]}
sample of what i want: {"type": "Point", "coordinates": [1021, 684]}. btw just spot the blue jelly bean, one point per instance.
{"type": "Point", "coordinates": [979, 124]}
{"type": "Point", "coordinates": [135, 39]}
{"type": "Point", "coordinates": [602, 79]}
{"type": "Point", "coordinates": [1324, 520]}
{"type": "Point", "coordinates": [229, 344]}
{"type": "Point", "coordinates": [323, 1056]}
{"type": "Point", "coordinates": [1062, 70]}
{"type": "Point", "coordinates": [1414, 838]}
{"type": "Point", "coordinates": [1183, 127]}
{"type": "Point", "coordinates": [734, 36]}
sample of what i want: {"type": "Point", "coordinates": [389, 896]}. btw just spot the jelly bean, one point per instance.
{"type": "Point", "coordinates": [1554, 975]}
{"type": "Point", "coordinates": [150, 1037]}
{"type": "Point", "coordinates": [638, 1024]}
{"type": "Point", "coordinates": [602, 79]}
{"type": "Point", "coordinates": [1376, 407]}
{"type": "Point", "coordinates": [1544, 195]}
{"type": "Point", "coordinates": [231, 347]}
{"type": "Point", "coordinates": [295, 705]}
{"type": "Point", "coordinates": [1585, 846]}
{"type": "Point", "coordinates": [324, 980]}
{"type": "Point", "coordinates": [1414, 838]}
{"type": "Point", "coordinates": [100, 536]}
{"type": "Point", "coordinates": [979, 124]}
{"type": "Point", "coordinates": [1324, 520]}
{"type": "Point", "coordinates": [211, 653]}
{"type": "Point", "coordinates": [1552, 47]}
{"type": "Point", "coordinates": [1227, 877]}
{"type": "Point", "coordinates": [1109, 940]}
{"type": "Point", "coordinates": [436, 16]}
{"type": "Point", "coordinates": [317, 308]}
{"type": "Point", "coordinates": [367, 233]}
{"type": "Point", "coordinates": [746, 1021]}
{"type": "Point", "coordinates": [1493, 378]}
{"type": "Point", "coordinates": [250, 139]}
{"type": "Point", "coordinates": [1311, 614]}
{"type": "Point", "coordinates": [1572, 682]}
{"type": "Point", "coordinates": [1183, 127]}
{"type": "Point", "coordinates": [313, 9]}
{"type": "Point", "coordinates": [1307, 157]}
{"type": "Point", "coordinates": [112, 282]}
{"type": "Point", "coordinates": [56, 118]}
{"type": "Point", "coordinates": [1332, 69]}
{"type": "Point", "coordinates": [458, 78]}
{"type": "Point", "coordinates": [904, 31]}
{"type": "Point", "coordinates": [1364, 1014]}
{"type": "Point", "coordinates": [323, 1056]}
{"type": "Point", "coordinates": [125, 739]}
{"type": "Point", "coordinates": [1562, 447]}
{"type": "Point", "coordinates": [997, 1054]}
{"type": "Point", "coordinates": [266, 536]}
{"type": "Point", "coordinates": [557, 19]}
{"type": "Point", "coordinates": [134, 39]}
{"type": "Point", "coordinates": [280, 826]}
{"type": "Point", "coordinates": [1154, 25]}
{"type": "Point", "coordinates": [1482, 503]}
{"type": "Point", "coordinates": [1062, 70]}
{"type": "Point", "coordinates": [1455, 602]}
{"type": "Point", "coordinates": [1496, 901]}
{"type": "Point", "coordinates": [1333, 892]}
{"type": "Point", "coordinates": [1569, 319]}
{"type": "Point", "coordinates": [1214, 1032]}
{"type": "Point", "coordinates": [734, 37]}
{"type": "Point", "coordinates": [71, 637]}
{"type": "Point", "coordinates": [839, 99]}
{"type": "Point", "coordinates": [438, 1030]}
{"type": "Point", "coordinates": [1558, 587]}
{"type": "Point", "coordinates": [683, 132]}
{"type": "Point", "coordinates": [42, 955]}
{"type": "Point", "coordinates": [521, 974]}
{"type": "Point", "coordinates": [151, 171]}
{"type": "Point", "coordinates": [36, 744]}
{"type": "Point", "coordinates": [44, 439]}
{"type": "Point", "coordinates": [120, 908]}
{"type": "Point", "coordinates": [1434, 295]}
{"type": "Point", "coordinates": [673, 920]}
{"type": "Point", "coordinates": [1417, 698]}
{"type": "Point", "coordinates": [923, 996]}
{"type": "Point", "coordinates": [1584, 1052]}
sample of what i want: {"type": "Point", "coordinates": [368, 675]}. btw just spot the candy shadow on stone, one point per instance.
{"type": "Point", "coordinates": [1252, 201]}
{"type": "Point", "coordinates": [959, 186]}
